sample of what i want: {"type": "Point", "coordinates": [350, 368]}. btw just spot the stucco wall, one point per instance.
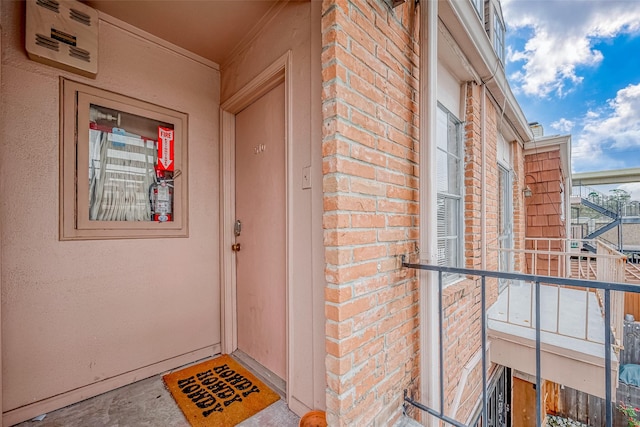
{"type": "Point", "coordinates": [77, 313]}
{"type": "Point", "coordinates": [294, 29]}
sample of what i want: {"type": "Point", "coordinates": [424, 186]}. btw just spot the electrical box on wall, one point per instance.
{"type": "Point", "coordinates": [63, 34]}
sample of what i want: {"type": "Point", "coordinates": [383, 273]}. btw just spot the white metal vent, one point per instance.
{"type": "Point", "coordinates": [64, 34]}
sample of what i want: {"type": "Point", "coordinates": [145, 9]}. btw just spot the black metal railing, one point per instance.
{"type": "Point", "coordinates": [481, 418]}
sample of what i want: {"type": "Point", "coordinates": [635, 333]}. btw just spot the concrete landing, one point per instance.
{"type": "Point", "coordinates": [146, 403]}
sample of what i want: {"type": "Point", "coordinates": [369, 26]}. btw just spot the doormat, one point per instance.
{"type": "Point", "coordinates": [218, 392]}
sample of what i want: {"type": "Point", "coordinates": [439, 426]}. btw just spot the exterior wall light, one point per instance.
{"type": "Point", "coordinates": [527, 192]}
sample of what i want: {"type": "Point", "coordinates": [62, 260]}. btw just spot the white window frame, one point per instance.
{"type": "Point", "coordinates": [478, 5]}
{"type": "Point", "coordinates": [498, 36]}
{"type": "Point", "coordinates": [505, 210]}
{"type": "Point", "coordinates": [456, 196]}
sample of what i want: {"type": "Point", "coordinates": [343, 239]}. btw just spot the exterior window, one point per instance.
{"type": "Point", "coordinates": [498, 36]}
{"type": "Point", "coordinates": [478, 4]}
{"type": "Point", "coordinates": [123, 167]}
{"type": "Point", "coordinates": [505, 222]}
{"type": "Point", "coordinates": [449, 184]}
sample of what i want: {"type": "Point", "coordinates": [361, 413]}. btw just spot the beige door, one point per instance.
{"type": "Point", "coordinates": [261, 209]}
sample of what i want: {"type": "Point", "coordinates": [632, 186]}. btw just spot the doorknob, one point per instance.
{"type": "Point", "coordinates": [235, 247]}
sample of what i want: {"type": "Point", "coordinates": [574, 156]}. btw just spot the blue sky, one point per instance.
{"type": "Point", "coordinates": [574, 66]}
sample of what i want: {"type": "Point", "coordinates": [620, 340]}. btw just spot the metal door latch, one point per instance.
{"type": "Point", "coordinates": [235, 247]}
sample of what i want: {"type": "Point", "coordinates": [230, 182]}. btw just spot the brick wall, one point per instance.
{"type": "Point", "coordinates": [370, 170]}
{"type": "Point", "coordinates": [462, 299]}
{"type": "Point", "coordinates": [369, 83]}
{"type": "Point", "coordinates": [544, 208]}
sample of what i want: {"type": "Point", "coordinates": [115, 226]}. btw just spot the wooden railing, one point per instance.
{"type": "Point", "coordinates": [611, 268]}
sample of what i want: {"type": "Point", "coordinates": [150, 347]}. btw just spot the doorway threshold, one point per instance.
{"type": "Point", "coordinates": [273, 381]}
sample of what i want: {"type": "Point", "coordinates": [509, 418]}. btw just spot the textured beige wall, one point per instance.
{"type": "Point", "coordinates": [78, 312]}
{"type": "Point", "coordinates": [1, 122]}
{"type": "Point", "coordinates": [291, 30]}
{"type": "Point", "coordinates": [630, 234]}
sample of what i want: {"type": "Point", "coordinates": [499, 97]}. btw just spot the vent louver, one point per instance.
{"type": "Point", "coordinates": [81, 17]}
{"type": "Point", "coordinates": [82, 54]}
{"type": "Point", "coordinates": [52, 5]}
{"type": "Point", "coordinates": [63, 34]}
{"type": "Point", "coordinates": [47, 42]}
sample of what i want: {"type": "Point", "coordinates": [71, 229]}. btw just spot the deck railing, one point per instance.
{"type": "Point", "coordinates": [611, 268]}
{"type": "Point", "coordinates": [564, 258]}
{"type": "Point", "coordinates": [605, 288]}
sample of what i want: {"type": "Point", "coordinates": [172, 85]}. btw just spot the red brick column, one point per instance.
{"type": "Point", "coordinates": [369, 80]}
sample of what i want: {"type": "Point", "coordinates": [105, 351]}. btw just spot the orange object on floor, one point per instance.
{"type": "Point", "coordinates": [218, 392]}
{"type": "Point", "coordinates": [313, 419]}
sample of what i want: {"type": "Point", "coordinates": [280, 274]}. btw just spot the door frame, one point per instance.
{"type": "Point", "coordinates": [278, 72]}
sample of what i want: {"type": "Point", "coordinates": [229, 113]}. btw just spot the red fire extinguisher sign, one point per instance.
{"type": "Point", "coordinates": [165, 149]}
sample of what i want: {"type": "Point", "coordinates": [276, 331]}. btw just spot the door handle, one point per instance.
{"type": "Point", "coordinates": [235, 247]}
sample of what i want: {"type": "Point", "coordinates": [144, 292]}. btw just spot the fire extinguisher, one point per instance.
{"type": "Point", "coordinates": [161, 198]}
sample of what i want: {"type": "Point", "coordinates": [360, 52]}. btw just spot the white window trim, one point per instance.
{"type": "Point", "coordinates": [478, 5]}
{"type": "Point", "coordinates": [499, 36]}
{"type": "Point", "coordinates": [449, 279]}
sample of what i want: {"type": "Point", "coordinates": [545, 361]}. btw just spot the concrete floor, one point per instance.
{"type": "Point", "coordinates": [146, 403]}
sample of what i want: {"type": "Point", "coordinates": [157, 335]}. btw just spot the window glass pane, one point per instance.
{"type": "Point", "coordinates": [452, 137]}
{"type": "Point", "coordinates": [498, 36]}
{"type": "Point", "coordinates": [448, 217]}
{"type": "Point", "coordinates": [501, 202]}
{"type": "Point", "coordinates": [442, 171]}
{"type": "Point", "coordinates": [442, 120]}
{"type": "Point", "coordinates": [129, 179]}
{"type": "Point", "coordinates": [505, 215]}
{"type": "Point", "coordinates": [448, 239]}
{"type": "Point", "coordinates": [478, 5]}
{"type": "Point", "coordinates": [448, 175]}
{"type": "Point", "coordinates": [454, 175]}
{"type": "Point", "coordinates": [448, 252]}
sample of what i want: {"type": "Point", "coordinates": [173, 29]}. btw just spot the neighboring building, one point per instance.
{"type": "Point", "coordinates": [343, 135]}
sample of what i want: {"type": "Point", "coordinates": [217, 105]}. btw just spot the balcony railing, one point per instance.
{"type": "Point", "coordinates": [565, 258]}
{"type": "Point", "coordinates": [605, 288]}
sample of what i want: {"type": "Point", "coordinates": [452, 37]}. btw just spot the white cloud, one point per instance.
{"type": "Point", "coordinates": [563, 36]}
{"type": "Point", "coordinates": [609, 134]}
{"type": "Point", "coordinates": [563, 125]}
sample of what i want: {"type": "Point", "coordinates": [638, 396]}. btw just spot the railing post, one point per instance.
{"type": "Point", "coordinates": [538, 373]}
{"type": "Point", "coordinates": [441, 355]}
{"type": "Point", "coordinates": [607, 357]}
{"type": "Point", "coordinates": [607, 287]}
{"type": "Point", "coordinates": [483, 315]}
